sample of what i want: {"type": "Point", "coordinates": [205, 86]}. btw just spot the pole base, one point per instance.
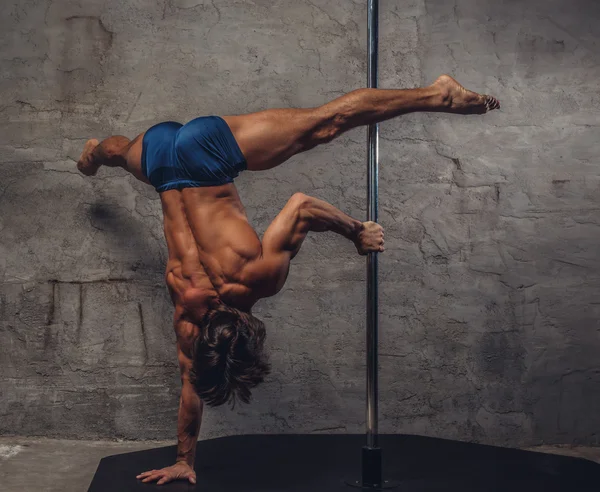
{"type": "Point", "coordinates": [387, 484]}
{"type": "Point", "coordinates": [372, 472]}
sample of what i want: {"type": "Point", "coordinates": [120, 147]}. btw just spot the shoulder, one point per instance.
{"type": "Point", "coordinates": [240, 295]}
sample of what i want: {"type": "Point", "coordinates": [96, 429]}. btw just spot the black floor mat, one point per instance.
{"type": "Point", "coordinates": [315, 463]}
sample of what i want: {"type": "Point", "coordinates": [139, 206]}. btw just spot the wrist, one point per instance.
{"type": "Point", "coordinates": [357, 228]}
{"type": "Point", "coordinates": [184, 461]}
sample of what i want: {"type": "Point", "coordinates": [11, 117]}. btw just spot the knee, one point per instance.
{"type": "Point", "coordinates": [329, 128]}
{"type": "Point", "coordinates": [337, 125]}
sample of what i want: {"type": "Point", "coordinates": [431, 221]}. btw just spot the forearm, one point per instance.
{"type": "Point", "coordinates": [188, 424]}
{"type": "Point", "coordinates": [301, 215]}
{"type": "Point", "coordinates": [319, 216]}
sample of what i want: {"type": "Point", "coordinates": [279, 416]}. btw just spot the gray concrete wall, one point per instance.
{"type": "Point", "coordinates": [490, 283]}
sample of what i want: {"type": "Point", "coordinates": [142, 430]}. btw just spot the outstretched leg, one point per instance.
{"type": "Point", "coordinates": [271, 137]}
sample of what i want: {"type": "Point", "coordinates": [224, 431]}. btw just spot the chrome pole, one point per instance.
{"type": "Point", "coordinates": [372, 264]}
{"type": "Point", "coordinates": [372, 469]}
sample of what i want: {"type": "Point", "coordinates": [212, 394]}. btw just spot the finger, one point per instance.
{"type": "Point", "coordinates": [165, 479]}
{"type": "Point", "coordinates": [192, 478]}
{"type": "Point", "coordinates": [152, 478]}
{"type": "Point", "coordinates": [145, 474]}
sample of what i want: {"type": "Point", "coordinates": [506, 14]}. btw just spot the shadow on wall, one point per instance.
{"type": "Point", "coordinates": [127, 237]}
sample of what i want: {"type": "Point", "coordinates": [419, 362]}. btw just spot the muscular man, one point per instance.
{"type": "Point", "coordinates": [218, 268]}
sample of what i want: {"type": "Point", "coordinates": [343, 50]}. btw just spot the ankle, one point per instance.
{"type": "Point", "coordinates": [114, 151]}
{"type": "Point", "coordinates": [441, 96]}
{"type": "Point", "coordinates": [87, 167]}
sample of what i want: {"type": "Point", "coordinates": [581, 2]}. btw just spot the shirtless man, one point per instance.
{"type": "Point", "coordinates": [218, 268]}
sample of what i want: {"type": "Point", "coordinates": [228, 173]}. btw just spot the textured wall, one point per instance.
{"type": "Point", "coordinates": [490, 283]}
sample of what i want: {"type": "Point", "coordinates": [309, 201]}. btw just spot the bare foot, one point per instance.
{"type": "Point", "coordinates": [459, 100]}
{"type": "Point", "coordinates": [85, 164]}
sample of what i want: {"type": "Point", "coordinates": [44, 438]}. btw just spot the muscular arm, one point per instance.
{"type": "Point", "coordinates": [284, 237]}
{"type": "Point", "coordinates": [189, 417]}
{"type": "Point", "coordinates": [188, 425]}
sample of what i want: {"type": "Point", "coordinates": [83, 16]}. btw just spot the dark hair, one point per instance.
{"type": "Point", "coordinates": [228, 359]}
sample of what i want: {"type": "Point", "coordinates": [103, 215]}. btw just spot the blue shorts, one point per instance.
{"type": "Point", "coordinates": [202, 152]}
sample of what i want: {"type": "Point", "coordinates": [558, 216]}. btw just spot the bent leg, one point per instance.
{"type": "Point", "coordinates": [271, 137]}
{"type": "Point", "coordinates": [115, 151]}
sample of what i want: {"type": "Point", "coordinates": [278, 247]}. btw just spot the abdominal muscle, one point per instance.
{"type": "Point", "coordinates": [210, 242]}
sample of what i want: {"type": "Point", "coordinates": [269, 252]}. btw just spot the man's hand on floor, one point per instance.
{"type": "Point", "coordinates": [179, 471]}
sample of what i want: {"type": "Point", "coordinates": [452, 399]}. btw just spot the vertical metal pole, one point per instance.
{"type": "Point", "coordinates": [372, 265]}
{"type": "Point", "coordinates": [372, 469]}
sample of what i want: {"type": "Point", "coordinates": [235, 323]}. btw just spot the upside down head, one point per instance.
{"type": "Point", "coordinates": [229, 358]}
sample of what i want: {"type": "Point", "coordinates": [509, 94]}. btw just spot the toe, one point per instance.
{"type": "Point", "coordinates": [491, 103]}
{"type": "Point", "coordinates": [486, 104]}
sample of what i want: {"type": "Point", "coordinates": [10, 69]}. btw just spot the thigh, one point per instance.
{"type": "Point", "coordinates": [133, 158]}
{"type": "Point", "coordinates": [271, 137]}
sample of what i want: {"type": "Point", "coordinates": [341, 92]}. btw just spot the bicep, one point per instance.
{"type": "Point", "coordinates": [280, 243]}
{"type": "Point", "coordinates": [289, 229]}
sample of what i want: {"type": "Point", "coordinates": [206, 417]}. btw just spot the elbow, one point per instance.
{"type": "Point", "coordinates": [301, 205]}
{"type": "Point", "coordinates": [300, 201]}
